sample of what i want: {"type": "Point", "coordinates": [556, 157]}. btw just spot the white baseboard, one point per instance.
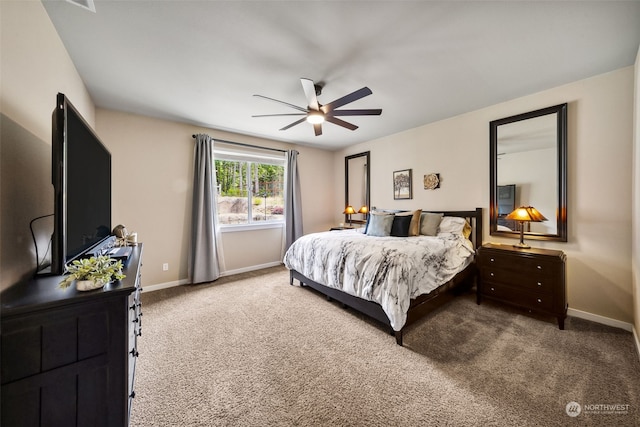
{"type": "Point", "coordinates": [251, 268]}
{"type": "Point", "coordinates": [157, 287]}
{"type": "Point", "coordinates": [637, 341]}
{"type": "Point", "coordinates": [600, 319]}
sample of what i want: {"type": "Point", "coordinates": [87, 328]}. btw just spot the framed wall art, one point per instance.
{"type": "Point", "coordinates": [402, 184]}
{"type": "Point", "coordinates": [432, 181]}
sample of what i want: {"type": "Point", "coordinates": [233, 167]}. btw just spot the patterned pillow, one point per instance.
{"type": "Point", "coordinates": [379, 224]}
{"type": "Point", "coordinates": [429, 223]}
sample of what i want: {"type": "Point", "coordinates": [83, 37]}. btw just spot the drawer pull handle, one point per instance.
{"type": "Point", "coordinates": [493, 289]}
{"type": "Point", "coordinates": [539, 284]}
{"type": "Point", "coordinates": [539, 267]}
{"type": "Point", "coordinates": [492, 260]}
{"type": "Point", "coordinates": [134, 353]}
{"type": "Point", "coordinates": [539, 300]}
{"type": "Point", "coordinates": [491, 274]}
{"type": "Point", "coordinates": [132, 395]}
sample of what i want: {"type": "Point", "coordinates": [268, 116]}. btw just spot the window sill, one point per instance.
{"type": "Point", "coordinates": [250, 227]}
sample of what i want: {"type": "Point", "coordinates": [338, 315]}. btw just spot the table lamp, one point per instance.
{"type": "Point", "coordinates": [349, 211]}
{"type": "Point", "coordinates": [364, 210]}
{"type": "Point", "coordinates": [525, 214]}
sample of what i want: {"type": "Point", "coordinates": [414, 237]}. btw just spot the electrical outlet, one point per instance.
{"type": "Point", "coordinates": [165, 266]}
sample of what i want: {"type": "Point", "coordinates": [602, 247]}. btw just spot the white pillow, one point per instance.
{"type": "Point", "coordinates": [454, 225]}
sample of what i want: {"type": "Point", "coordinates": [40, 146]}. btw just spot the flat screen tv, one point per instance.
{"type": "Point", "coordinates": [81, 174]}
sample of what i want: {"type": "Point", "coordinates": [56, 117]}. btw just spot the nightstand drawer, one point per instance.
{"type": "Point", "coordinates": [534, 282]}
{"type": "Point", "coordinates": [520, 264]}
{"type": "Point", "coordinates": [518, 297]}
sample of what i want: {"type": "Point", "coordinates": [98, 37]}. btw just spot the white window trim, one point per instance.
{"type": "Point", "coordinates": [231, 228]}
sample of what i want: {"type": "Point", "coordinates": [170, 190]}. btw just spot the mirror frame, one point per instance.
{"type": "Point", "coordinates": [367, 183]}
{"type": "Point", "coordinates": [561, 214]}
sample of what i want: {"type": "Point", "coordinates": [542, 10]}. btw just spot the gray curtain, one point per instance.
{"type": "Point", "coordinates": [203, 254]}
{"type": "Point", "coordinates": [293, 203]}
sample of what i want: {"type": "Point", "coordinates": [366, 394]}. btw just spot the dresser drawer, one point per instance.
{"type": "Point", "coordinates": [518, 297]}
{"type": "Point", "coordinates": [539, 283]}
{"type": "Point", "coordinates": [521, 264]}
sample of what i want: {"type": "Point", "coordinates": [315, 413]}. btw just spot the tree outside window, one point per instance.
{"type": "Point", "coordinates": [249, 192]}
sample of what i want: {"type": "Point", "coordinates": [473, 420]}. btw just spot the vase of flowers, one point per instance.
{"type": "Point", "coordinates": [92, 273]}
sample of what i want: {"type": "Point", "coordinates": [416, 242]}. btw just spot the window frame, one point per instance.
{"type": "Point", "coordinates": [250, 157]}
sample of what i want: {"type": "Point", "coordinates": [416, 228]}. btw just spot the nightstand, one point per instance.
{"type": "Point", "coordinates": [533, 278]}
{"type": "Point", "coordinates": [342, 228]}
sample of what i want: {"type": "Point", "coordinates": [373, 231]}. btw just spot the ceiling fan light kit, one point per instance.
{"type": "Point", "coordinates": [316, 113]}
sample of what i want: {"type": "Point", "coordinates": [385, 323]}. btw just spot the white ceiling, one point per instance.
{"type": "Point", "coordinates": [200, 62]}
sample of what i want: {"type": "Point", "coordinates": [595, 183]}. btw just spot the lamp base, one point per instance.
{"type": "Point", "coordinates": [522, 246]}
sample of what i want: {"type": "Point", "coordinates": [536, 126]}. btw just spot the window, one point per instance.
{"type": "Point", "coordinates": [250, 187]}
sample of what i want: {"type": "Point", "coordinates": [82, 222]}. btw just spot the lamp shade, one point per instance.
{"type": "Point", "coordinates": [526, 213]}
{"type": "Point", "coordinates": [349, 210]}
{"type": "Point", "coordinates": [363, 210]}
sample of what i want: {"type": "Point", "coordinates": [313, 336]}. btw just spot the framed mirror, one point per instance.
{"type": "Point", "coordinates": [356, 185]}
{"type": "Point", "coordinates": [528, 167]}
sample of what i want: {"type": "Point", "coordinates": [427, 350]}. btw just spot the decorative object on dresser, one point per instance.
{"type": "Point", "coordinates": [69, 357]}
{"type": "Point", "coordinates": [532, 279]}
{"type": "Point", "coordinates": [525, 214]}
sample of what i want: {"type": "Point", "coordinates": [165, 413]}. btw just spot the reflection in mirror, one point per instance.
{"type": "Point", "coordinates": [528, 168]}
{"type": "Point", "coordinates": [356, 178]}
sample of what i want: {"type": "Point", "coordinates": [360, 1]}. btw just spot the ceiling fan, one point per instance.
{"type": "Point", "coordinates": [316, 113]}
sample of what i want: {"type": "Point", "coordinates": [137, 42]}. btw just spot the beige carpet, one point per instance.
{"type": "Point", "coordinates": [250, 350]}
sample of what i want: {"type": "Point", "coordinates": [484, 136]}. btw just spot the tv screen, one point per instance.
{"type": "Point", "coordinates": [81, 173]}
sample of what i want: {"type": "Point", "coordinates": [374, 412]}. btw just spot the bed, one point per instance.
{"type": "Point", "coordinates": [393, 279]}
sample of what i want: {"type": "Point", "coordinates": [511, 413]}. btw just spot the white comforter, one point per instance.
{"type": "Point", "coordinates": [387, 270]}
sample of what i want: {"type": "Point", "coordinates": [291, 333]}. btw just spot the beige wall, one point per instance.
{"type": "Point", "coordinates": [34, 66]}
{"type": "Point", "coordinates": [599, 180]}
{"type": "Point", "coordinates": [635, 265]}
{"type": "Point", "coordinates": [152, 185]}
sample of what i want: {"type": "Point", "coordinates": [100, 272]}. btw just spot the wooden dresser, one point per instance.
{"type": "Point", "coordinates": [68, 357]}
{"type": "Point", "coordinates": [533, 279]}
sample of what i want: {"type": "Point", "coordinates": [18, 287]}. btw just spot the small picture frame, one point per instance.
{"type": "Point", "coordinates": [402, 184]}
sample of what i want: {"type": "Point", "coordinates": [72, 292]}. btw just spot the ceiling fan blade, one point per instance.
{"type": "Point", "coordinates": [297, 122]}
{"type": "Point", "coordinates": [310, 92]}
{"type": "Point", "coordinates": [367, 112]}
{"type": "Point", "coordinates": [353, 96]}
{"type": "Point", "coordinates": [317, 128]}
{"type": "Point", "coordinates": [278, 115]}
{"type": "Point", "coordinates": [342, 123]}
{"type": "Point", "coordinates": [282, 102]}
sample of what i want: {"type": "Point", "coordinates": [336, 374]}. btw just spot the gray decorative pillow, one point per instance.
{"type": "Point", "coordinates": [429, 223]}
{"type": "Point", "coordinates": [379, 224]}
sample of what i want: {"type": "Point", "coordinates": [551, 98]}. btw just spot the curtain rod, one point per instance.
{"type": "Point", "coordinates": [246, 145]}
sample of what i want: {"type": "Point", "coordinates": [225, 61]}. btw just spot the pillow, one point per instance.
{"type": "Point", "coordinates": [454, 225]}
{"type": "Point", "coordinates": [379, 224]}
{"type": "Point", "coordinates": [429, 223]}
{"type": "Point", "coordinates": [414, 228]}
{"type": "Point", "coordinates": [400, 225]}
